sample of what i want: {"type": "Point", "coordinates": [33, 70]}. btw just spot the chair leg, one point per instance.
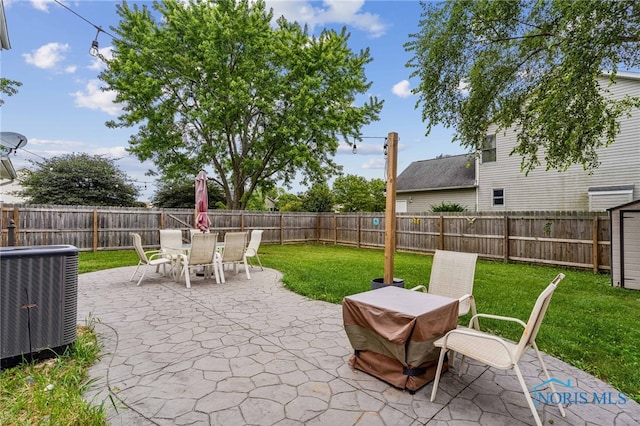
{"type": "Point", "coordinates": [144, 271]}
{"type": "Point", "coordinates": [527, 396]}
{"type": "Point", "coordinates": [246, 267]}
{"type": "Point", "coordinates": [259, 263]}
{"type": "Point", "coordinates": [436, 379]}
{"type": "Point", "coordinates": [216, 271]}
{"type": "Point", "coordinates": [135, 272]}
{"type": "Point", "coordinates": [461, 365]}
{"type": "Point", "coordinates": [187, 279]}
{"type": "Point", "coordinates": [221, 269]}
{"type": "Point", "coordinates": [546, 374]}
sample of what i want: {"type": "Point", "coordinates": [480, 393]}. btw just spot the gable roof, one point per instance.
{"type": "Point", "coordinates": [456, 171]}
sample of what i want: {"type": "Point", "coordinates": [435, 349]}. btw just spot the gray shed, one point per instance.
{"type": "Point", "coordinates": [625, 245]}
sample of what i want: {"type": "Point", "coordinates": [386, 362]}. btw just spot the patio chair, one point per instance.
{"type": "Point", "coordinates": [148, 259]}
{"type": "Point", "coordinates": [452, 275]}
{"type": "Point", "coordinates": [497, 352]}
{"type": "Point", "coordinates": [202, 254]}
{"type": "Point", "coordinates": [169, 240]}
{"type": "Point", "coordinates": [252, 248]}
{"type": "Point", "coordinates": [233, 253]}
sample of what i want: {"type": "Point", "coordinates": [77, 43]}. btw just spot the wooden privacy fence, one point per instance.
{"type": "Point", "coordinates": [573, 239]}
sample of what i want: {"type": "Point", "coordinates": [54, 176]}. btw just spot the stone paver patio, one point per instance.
{"type": "Point", "coordinates": [250, 352]}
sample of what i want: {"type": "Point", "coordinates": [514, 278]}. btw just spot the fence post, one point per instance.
{"type": "Point", "coordinates": [441, 239]}
{"type": "Point", "coordinates": [11, 234]}
{"type": "Point", "coordinates": [506, 238]}
{"type": "Point", "coordinates": [95, 230]}
{"type": "Point", "coordinates": [281, 228]}
{"type": "Point", "coordinates": [594, 248]}
{"type": "Point", "coordinates": [16, 216]}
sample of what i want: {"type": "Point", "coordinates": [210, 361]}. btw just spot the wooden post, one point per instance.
{"type": "Point", "coordinates": [506, 238]}
{"type": "Point", "coordinates": [441, 236]}
{"type": "Point", "coordinates": [95, 230]}
{"type": "Point", "coordinates": [390, 211]}
{"type": "Point", "coordinates": [281, 228]}
{"type": "Point", "coordinates": [594, 249]}
{"type": "Point", "coordinates": [16, 221]}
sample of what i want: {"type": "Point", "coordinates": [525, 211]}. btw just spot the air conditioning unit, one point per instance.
{"type": "Point", "coordinates": [38, 302]}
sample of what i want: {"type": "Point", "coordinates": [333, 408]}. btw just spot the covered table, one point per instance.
{"type": "Point", "coordinates": [392, 331]}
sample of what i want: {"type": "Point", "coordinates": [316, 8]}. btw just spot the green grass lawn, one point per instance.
{"type": "Point", "coordinates": [50, 392]}
{"type": "Point", "coordinates": [589, 324]}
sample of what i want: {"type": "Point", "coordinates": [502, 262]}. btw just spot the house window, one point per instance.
{"type": "Point", "coordinates": [498, 197]}
{"type": "Point", "coordinates": [489, 149]}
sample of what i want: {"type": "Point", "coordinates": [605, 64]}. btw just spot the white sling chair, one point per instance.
{"type": "Point", "coordinates": [254, 245]}
{"type": "Point", "coordinates": [148, 259]}
{"type": "Point", "coordinates": [201, 254]}
{"type": "Point", "coordinates": [498, 352]}
{"type": "Point", "coordinates": [452, 275]}
{"type": "Point", "coordinates": [233, 253]}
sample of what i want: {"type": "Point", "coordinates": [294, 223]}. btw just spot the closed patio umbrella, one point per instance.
{"type": "Point", "coordinates": [202, 202]}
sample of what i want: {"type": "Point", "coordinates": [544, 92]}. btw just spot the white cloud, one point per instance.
{"type": "Point", "coordinates": [47, 56]}
{"type": "Point", "coordinates": [94, 98]}
{"type": "Point", "coordinates": [402, 89]}
{"type": "Point", "coordinates": [113, 151]}
{"type": "Point", "coordinates": [42, 5]}
{"type": "Point", "coordinates": [330, 12]}
{"type": "Point", "coordinates": [71, 69]}
{"type": "Point", "coordinates": [374, 163]}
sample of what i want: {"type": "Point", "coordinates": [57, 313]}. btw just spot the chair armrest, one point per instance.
{"type": "Point", "coordinates": [157, 255]}
{"type": "Point", "coordinates": [480, 335]}
{"type": "Point", "coordinates": [497, 317]}
{"type": "Point", "coordinates": [465, 297]}
{"type": "Point", "coordinates": [419, 288]}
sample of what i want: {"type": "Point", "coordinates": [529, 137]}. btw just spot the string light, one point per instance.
{"type": "Point", "coordinates": [94, 44]}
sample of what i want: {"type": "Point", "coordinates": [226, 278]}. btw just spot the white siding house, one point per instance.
{"type": "Point", "coordinates": [494, 181]}
{"type": "Point", "coordinates": [503, 187]}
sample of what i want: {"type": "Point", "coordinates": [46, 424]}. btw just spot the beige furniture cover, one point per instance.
{"type": "Point", "coordinates": [392, 331]}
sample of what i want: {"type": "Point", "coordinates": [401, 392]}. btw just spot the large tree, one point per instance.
{"type": "Point", "coordinates": [78, 179]}
{"type": "Point", "coordinates": [318, 198]}
{"type": "Point", "coordinates": [180, 193]}
{"type": "Point", "coordinates": [534, 64]}
{"type": "Point", "coordinates": [357, 194]}
{"type": "Point", "coordinates": [218, 85]}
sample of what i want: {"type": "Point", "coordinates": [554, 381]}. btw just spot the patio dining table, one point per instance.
{"type": "Point", "coordinates": [185, 249]}
{"type": "Point", "coordinates": [392, 331]}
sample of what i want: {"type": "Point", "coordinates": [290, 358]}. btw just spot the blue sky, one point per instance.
{"type": "Point", "coordinates": [61, 110]}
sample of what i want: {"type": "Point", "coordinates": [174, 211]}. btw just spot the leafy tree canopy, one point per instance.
{"type": "Point", "coordinates": [318, 198]}
{"type": "Point", "coordinates": [8, 88]}
{"type": "Point", "coordinates": [289, 203]}
{"type": "Point", "coordinates": [357, 194]}
{"type": "Point", "coordinates": [537, 65]}
{"type": "Point", "coordinates": [215, 85]}
{"type": "Point", "coordinates": [79, 179]}
{"type": "Point", "coordinates": [180, 193]}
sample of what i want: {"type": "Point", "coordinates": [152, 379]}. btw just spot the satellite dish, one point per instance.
{"type": "Point", "coordinates": [12, 140]}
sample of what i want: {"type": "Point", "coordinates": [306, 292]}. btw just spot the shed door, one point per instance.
{"type": "Point", "coordinates": [631, 249]}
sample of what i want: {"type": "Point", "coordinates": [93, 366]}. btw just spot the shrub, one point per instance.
{"type": "Point", "coordinates": [448, 207]}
